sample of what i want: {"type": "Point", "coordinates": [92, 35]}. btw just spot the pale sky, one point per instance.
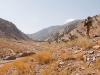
{"type": "Point", "coordinates": [31, 16]}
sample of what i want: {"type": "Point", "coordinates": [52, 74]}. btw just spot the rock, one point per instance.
{"type": "Point", "coordinates": [91, 52]}
{"type": "Point", "coordinates": [10, 57]}
{"type": "Point", "coordinates": [76, 51]}
{"type": "Point", "coordinates": [98, 55]}
{"type": "Point", "coordinates": [96, 47]}
{"type": "Point", "coordinates": [93, 73]}
{"type": "Point", "coordinates": [77, 74]}
{"type": "Point", "coordinates": [83, 68]}
{"type": "Point", "coordinates": [94, 58]}
{"type": "Point", "coordinates": [28, 53]}
{"type": "Point", "coordinates": [87, 59]}
{"type": "Point", "coordinates": [11, 51]}
{"type": "Point", "coordinates": [61, 63]}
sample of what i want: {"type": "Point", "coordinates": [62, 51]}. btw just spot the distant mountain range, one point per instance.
{"type": "Point", "coordinates": [10, 31]}
{"type": "Point", "coordinates": [49, 33]}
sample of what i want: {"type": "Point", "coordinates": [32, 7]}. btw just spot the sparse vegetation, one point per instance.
{"type": "Point", "coordinates": [56, 59]}
{"type": "Point", "coordinates": [81, 42]}
{"type": "Point", "coordinates": [66, 56]}
{"type": "Point", "coordinates": [80, 56]}
{"type": "Point", "coordinates": [44, 57]}
{"type": "Point", "coordinates": [4, 69]}
{"type": "Point", "coordinates": [22, 67]}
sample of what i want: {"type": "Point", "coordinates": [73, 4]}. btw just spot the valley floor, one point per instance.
{"type": "Point", "coordinates": [77, 57]}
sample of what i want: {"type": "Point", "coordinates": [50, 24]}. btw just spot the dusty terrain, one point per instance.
{"type": "Point", "coordinates": [78, 57]}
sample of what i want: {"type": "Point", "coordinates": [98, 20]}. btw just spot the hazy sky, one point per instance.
{"type": "Point", "coordinates": [33, 15]}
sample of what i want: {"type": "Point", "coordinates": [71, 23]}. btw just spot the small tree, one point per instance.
{"type": "Point", "coordinates": [57, 37]}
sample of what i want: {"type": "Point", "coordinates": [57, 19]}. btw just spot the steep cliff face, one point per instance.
{"type": "Point", "coordinates": [9, 30]}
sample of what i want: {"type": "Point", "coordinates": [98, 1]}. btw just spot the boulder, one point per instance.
{"type": "Point", "coordinates": [91, 52]}
{"type": "Point", "coordinates": [98, 55]}
{"type": "Point", "coordinates": [28, 53]}
{"type": "Point", "coordinates": [10, 57]}
{"type": "Point", "coordinates": [96, 47]}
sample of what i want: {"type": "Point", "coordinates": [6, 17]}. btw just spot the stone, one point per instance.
{"type": "Point", "coordinates": [10, 57]}
{"type": "Point", "coordinates": [61, 63]}
{"type": "Point", "coordinates": [77, 74]}
{"type": "Point", "coordinates": [96, 47]}
{"type": "Point", "coordinates": [91, 52]}
{"type": "Point", "coordinates": [87, 59]}
{"type": "Point", "coordinates": [98, 55]}
{"type": "Point", "coordinates": [26, 54]}
{"type": "Point", "coordinates": [83, 68]}
{"type": "Point", "coordinates": [94, 58]}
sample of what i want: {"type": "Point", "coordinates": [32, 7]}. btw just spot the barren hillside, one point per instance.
{"type": "Point", "coordinates": [50, 32]}
{"type": "Point", "coordinates": [80, 30]}
{"type": "Point", "coordinates": [9, 30]}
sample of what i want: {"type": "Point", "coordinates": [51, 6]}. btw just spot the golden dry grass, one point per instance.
{"type": "Point", "coordinates": [4, 69]}
{"type": "Point", "coordinates": [52, 69]}
{"type": "Point", "coordinates": [80, 56]}
{"type": "Point", "coordinates": [22, 66]}
{"type": "Point", "coordinates": [44, 57]}
{"type": "Point", "coordinates": [67, 55]}
{"type": "Point", "coordinates": [82, 42]}
{"type": "Point", "coordinates": [9, 45]}
{"type": "Point", "coordinates": [97, 64]}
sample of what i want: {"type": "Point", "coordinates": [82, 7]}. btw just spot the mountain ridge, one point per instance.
{"type": "Point", "coordinates": [43, 34]}
{"type": "Point", "coordinates": [10, 31]}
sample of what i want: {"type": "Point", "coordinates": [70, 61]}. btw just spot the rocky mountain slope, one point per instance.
{"type": "Point", "coordinates": [9, 30]}
{"type": "Point", "coordinates": [66, 29]}
{"type": "Point", "coordinates": [42, 35]}
{"type": "Point", "coordinates": [80, 30]}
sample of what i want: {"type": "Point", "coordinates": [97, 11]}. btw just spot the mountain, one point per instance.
{"type": "Point", "coordinates": [43, 34]}
{"type": "Point", "coordinates": [66, 28]}
{"type": "Point", "coordinates": [9, 30]}
{"type": "Point", "coordinates": [80, 30]}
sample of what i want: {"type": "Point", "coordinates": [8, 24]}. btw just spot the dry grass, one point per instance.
{"type": "Point", "coordinates": [44, 57]}
{"type": "Point", "coordinates": [4, 69]}
{"type": "Point", "coordinates": [22, 67]}
{"type": "Point", "coordinates": [80, 56]}
{"type": "Point", "coordinates": [81, 42]}
{"type": "Point", "coordinates": [98, 43]}
{"type": "Point", "coordinates": [97, 64]}
{"type": "Point", "coordinates": [6, 46]}
{"type": "Point", "coordinates": [48, 72]}
{"type": "Point", "coordinates": [52, 69]}
{"type": "Point", "coordinates": [67, 55]}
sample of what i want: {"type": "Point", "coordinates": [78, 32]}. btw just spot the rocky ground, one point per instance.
{"type": "Point", "coordinates": [76, 57]}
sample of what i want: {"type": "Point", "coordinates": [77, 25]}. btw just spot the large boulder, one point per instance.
{"type": "Point", "coordinates": [10, 57]}
{"type": "Point", "coordinates": [28, 53]}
